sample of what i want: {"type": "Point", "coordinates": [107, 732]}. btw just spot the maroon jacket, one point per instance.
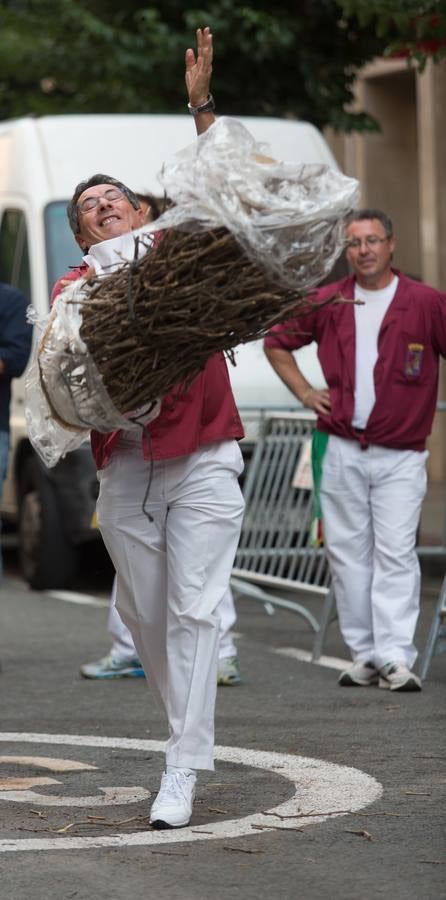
{"type": "Point", "coordinates": [411, 339]}
{"type": "Point", "coordinates": [205, 413]}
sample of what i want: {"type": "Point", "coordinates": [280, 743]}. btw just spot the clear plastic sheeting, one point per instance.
{"type": "Point", "coordinates": [64, 393]}
{"type": "Point", "coordinates": [50, 440]}
{"type": "Point", "coordinates": [69, 377]}
{"type": "Point", "coordinates": [288, 217]}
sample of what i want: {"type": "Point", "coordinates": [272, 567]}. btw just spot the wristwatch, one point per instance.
{"type": "Point", "coordinates": [207, 106]}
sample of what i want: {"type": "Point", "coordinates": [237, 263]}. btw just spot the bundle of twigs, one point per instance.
{"type": "Point", "coordinates": [154, 323]}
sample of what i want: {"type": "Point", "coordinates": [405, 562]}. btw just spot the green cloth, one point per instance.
{"type": "Point", "coordinates": [318, 448]}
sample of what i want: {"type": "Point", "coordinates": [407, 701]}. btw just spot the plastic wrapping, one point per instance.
{"type": "Point", "coordinates": [64, 393]}
{"type": "Point", "coordinates": [50, 440]}
{"type": "Point", "coordinates": [288, 217]}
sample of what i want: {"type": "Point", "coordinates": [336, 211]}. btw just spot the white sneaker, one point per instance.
{"type": "Point", "coordinates": [228, 672]}
{"type": "Point", "coordinates": [395, 676]}
{"type": "Point", "coordinates": [360, 674]}
{"type": "Point", "coordinates": [113, 667]}
{"type": "Point", "coordinates": [172, 807]}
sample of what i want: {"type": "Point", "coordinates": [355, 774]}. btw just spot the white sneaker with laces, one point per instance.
{"type": "Point", "coordinates": [110, 666]}
{"type": "Point", "coordinates": [360, 674]}
{"type": "Point", "coordinates": [172, 807]}
{"type": "Point", "coordinates": [395, 676]}
{"type": "Point", "coordinates": [228, 672]}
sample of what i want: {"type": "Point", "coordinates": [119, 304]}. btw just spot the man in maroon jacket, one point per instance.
{"type": "Point", "coordinates": [380, 360]}
{"type": "Point", "coordinates": [173, 543]}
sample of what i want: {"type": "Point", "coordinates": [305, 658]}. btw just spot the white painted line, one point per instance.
{"type": "Point", "coordinates": [112, 796]}
{"type": "Point", "coordinates": [331, 662]}
{"type": "Point", "coordinates": [23, 784]}
{"type": "Point", "coordinates": [47, 762]}
{"type": "Point", "coordinates": [319, 787]}
{"type": "Point", "coordinates": [74, 597]}
{"type": "Point", "coordinates": [19, 788]}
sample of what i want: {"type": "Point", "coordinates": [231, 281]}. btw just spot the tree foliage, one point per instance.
{"type": "Point", "coordinates": [296, 59]}
{"type": "Point", "coordinates": [407, 28]}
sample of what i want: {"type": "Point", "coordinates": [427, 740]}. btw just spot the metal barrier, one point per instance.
{"type": "Point", "coordinates": [436, 641]}
{"type": "Point", "coordinates": [436, 550]}
{"type": "Point", "coordinates": [275, 558]}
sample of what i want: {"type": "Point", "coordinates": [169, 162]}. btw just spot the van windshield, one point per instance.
{"type": "Point", "coordinates": [61, 249]}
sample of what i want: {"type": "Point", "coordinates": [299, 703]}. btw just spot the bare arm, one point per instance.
{"type": "Point", "coordinates": [198, 82]}
{"type": "Point", "coordinates": [198, 77]}
{"type": "Point", "coordinates": [286, 367]}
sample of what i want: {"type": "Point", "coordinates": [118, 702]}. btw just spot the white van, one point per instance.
{"type": "Point", "coordinates": [41, 161]}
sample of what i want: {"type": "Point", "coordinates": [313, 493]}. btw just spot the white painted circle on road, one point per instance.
{"type": "Point", "coordinates": [323, 789]}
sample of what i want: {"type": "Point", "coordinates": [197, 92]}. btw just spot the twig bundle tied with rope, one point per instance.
{"type": "Point", "coordinates": [155, 323]}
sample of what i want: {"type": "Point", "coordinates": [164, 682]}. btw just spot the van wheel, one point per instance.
{"type": "Point", "coordinates": [47, 558]}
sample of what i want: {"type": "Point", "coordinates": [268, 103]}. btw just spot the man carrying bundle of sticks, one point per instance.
{"type": "Point", "coordinates": [170, 507]}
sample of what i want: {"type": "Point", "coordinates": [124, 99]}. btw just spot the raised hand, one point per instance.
{"type": "Point", "coordinates": [199, 68]}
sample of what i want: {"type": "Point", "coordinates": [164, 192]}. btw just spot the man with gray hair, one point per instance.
{"type": "Point", "coordinates": [173, 552]}
{"type": "Point", "coordinates": [380, 358]}
{"type": "Point", "coordinates": [116, 190]}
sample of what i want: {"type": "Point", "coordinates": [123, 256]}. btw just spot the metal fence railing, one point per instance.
{"type": "Point", "coordinates": [439, 548]}
{"type": "Point", "coordinates": [276, 562]}
{"type": "Point", "coordinates": [254, 418]}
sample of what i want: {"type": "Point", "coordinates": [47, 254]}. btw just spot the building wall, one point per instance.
{"type": "Point", "coordinates": [402, 170]}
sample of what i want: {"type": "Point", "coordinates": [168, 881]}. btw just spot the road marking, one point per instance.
{"type": "Point", "coordinates": [67, 596]}
{"type": "Point", "coordinates": [331, 662]}
{"type": "Point", "coordinates": [17, 790]}
{"type": "Point", "coordinates": [112, 796]}
{"type": "Point", "coordinates": [74, 597]}
{"type": "Point", "coordinates": [47, 762]}
{"type": "Point", "coordinates": [323, 789]}
{"type": "Point", "coordinates": [22, 784]}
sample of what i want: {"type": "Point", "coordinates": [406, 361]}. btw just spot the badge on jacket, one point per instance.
{"type": "Point", "coordinates": [414, 359]}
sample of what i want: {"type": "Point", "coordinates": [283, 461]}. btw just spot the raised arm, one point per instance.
{"type": "Point", "coordinates": [198, 80]}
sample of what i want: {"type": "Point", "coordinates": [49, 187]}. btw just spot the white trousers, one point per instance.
{"type": "Point", "coordinates": [371, 503]}
{"type": "Point", "coordinates": [172, 573]}
{"type": "Point", "coordinates": [124, 647]}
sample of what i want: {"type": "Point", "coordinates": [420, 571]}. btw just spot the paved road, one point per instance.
{"type": "Point", "coordinates": [380, 755]}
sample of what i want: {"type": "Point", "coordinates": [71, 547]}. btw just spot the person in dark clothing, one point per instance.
{"type": "Point", "coordinates": [15, 347]}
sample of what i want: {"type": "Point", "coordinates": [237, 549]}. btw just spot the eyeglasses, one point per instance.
{"type": "Point", "coordinates": [371, 241]}
{"type": "Point", "coordinates": [112, 195]}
